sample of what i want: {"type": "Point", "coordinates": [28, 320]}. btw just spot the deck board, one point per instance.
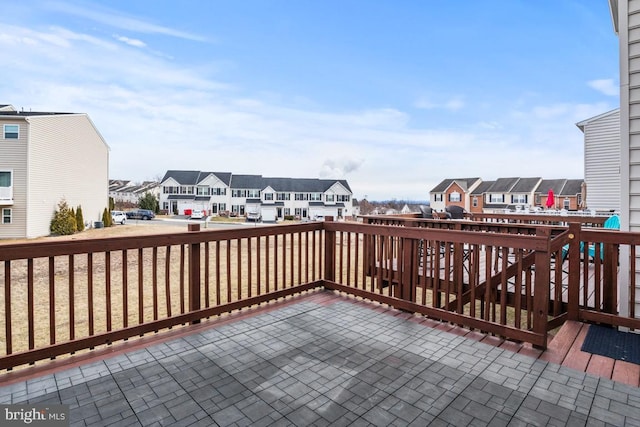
{"type": "Point", "coordinates": [625, 372]}
{"type": "Point", "coordinates": [561, 344]}
{"type": "Point", "coordinates": [600, 366]}
{"type": "Point", "coordinates": [576, 358]}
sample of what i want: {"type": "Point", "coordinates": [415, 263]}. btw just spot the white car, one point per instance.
{"type": "Point", "coordinates": [254, 217]}
{"type": "Point", "coordinates": [197, 214]}
{"type": "Point", "coordinates": [118, 217]}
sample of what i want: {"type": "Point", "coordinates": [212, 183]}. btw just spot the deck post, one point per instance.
{"type": "Point", "coordinates": [541, 287]}
{"type": "Point", "coordinates": [329, 252]}
{"type": "Point", "coordinates": [610, 278]}
{"type": "Point", "coordinates": [194, 273]}
{"type": "Point", "coordinates": [573, 309]}
{"type": "Point", "coordinates": [408, 269]}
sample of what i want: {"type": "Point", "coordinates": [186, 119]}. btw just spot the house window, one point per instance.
{"type": "Point", "coordinates": [11, 131]}
{"type": "Point", "coordinates": [170, 190]}
{"type": "Point", "coordinates": [6, 216]}
{"type": "Point", "coordinates": [437, 197]}
{"type": "Point", "coordinates": [5, 185]}
{"type": "Point", "coordinates": [566, 204]}
{"type": "Point", "coordinates": [330, 198]}
{"type": "Point", "coordinates": [474, 202]}
{"type": "Point", "coordinates": [496, 198]}
{"type": "Point", "coordinates": [343, 197]}
{"type": "Point", "coordinates": [454, 197]}
{"type": "Point", "coordinates": [283, 196]}
{"type": "Point", "coordinates": [268, 196]}
{"type": "Point", "coordinates": [519, 198]}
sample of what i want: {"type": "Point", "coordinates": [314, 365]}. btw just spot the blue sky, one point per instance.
{"type": "Point", "coordinates": [393, 96]}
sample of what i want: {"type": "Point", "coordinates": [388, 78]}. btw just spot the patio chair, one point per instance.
{"type": "Point", "coordinates": [612, 223]}
{"type": "Point", "coordinates": [455, 212]}
{"type": "Point", "coordinates": [426, 212]}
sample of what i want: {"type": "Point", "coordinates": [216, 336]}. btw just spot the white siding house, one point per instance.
{"type": "Point", "coordinates": [602, 160]}
{"type": "Point", "coordinates": [626, 23]}
{"type": "Point", "coordinates": [45, 158]}
{"type": "Point", "coordinates": [272, 198]}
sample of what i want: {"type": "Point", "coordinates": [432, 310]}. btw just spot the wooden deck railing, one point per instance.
{"type": "Point", "coordinates": [490, 218]}
{"type": "Point", "coordinates": [514, 280]}
{"type": "Point", "coordinates": [62, 297]}
{"type": "Point", "coordinates": [495, 282]}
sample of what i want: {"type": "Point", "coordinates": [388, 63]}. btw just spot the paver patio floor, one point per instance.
{"type": "Point", "coordinates": [327, 360]}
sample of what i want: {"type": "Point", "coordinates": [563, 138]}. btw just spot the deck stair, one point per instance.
{"type": "Point", "coordinates": [565, 349]}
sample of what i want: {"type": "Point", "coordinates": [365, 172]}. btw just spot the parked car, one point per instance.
{"type": "Point", "coordinates": [197, 214]}
{"type": "Point", "coordinates": [318, 218]}
{"type": "Point", "coordinates": [253, 217]}
{"type": "Point", "coordinates": [140, 214]}
{"type": "Point", "coordinates": [118, 217]}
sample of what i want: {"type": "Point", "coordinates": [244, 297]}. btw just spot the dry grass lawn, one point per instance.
{"type": "Point", "coordinates": [97, 299]}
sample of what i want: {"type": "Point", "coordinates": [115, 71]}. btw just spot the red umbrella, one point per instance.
{"type": "Point", "coordinates": [550, 199]}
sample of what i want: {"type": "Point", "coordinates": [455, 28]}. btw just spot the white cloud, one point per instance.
{"type": "Point", "coordinates": [453, 104]}
{"type": "Point", "coordinates": [114, 19]}
{"type": "Point", "coordinates": [130, 42]}
{"type": "Point", "coordinates": [158, 115]}
{"type": "Point", "coordinates": [605, 86]}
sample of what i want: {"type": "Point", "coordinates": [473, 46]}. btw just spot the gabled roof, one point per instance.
{"type": "Point", "coordinates": [585, 122]}
{"type": "Point", "coordinates": [194, 177]}
{"type": "Point", "coordinates": [247, 182]}
{"type": "Point", "coordinates": [551, 184]}
{"type": "Point", "coordinates": [483, 187]}
{"type": "Point", "coordinates": [7, 110]}
{"type": "Point", "coordinates": [258, 182]}
{"type": "Point", "coordinates": [464, 183]}
{"type": "Point", "coordinates": [303, 185]}
{"type": "Point", "coordinates": [572, 187]}
{"type": "Point", "coordinates": [526, 185]}
{"type": "Point", "coordinates": [561, 187]}
{"type": "Point", "coordinates": [503, 185]}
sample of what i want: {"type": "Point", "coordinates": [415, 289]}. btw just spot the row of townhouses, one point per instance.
{"type": "Point", "coordinates": [124, 191]}
{"type": "Point", "coordinates": [272, 198]}
{"type": "Point", "coordinates": [476, 195]}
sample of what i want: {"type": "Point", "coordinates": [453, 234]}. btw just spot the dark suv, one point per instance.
{"type": "Point", "coordinates": [140, 214]}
